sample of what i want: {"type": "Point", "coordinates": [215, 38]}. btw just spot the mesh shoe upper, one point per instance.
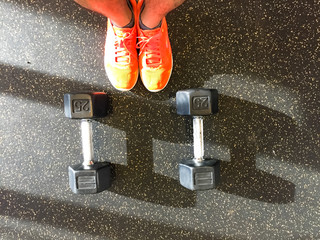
{"type": "Point", "coordinates": [155, 56]}
{"type": "Point", "coordinates": [121, 60]}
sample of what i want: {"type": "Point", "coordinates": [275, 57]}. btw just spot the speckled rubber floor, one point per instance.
{"type": "Point", "coordinates": [261, 56]}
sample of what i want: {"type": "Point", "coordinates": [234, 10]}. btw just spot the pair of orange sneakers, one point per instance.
{"type": "Point", "coordinates": [122, 62]}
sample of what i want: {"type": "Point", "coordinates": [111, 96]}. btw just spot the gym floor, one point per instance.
{"type": "Point", "coordinates": [260, 55]}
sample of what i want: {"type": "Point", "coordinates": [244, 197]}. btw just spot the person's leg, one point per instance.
{"type": "Point", "coordinates": [117, 11]}
{"type": "Point", "coordinates": [155, 10]}
{"type": "Point", "coordinates": [155, 56]}
{"type": "Point", "coordinates": [120, 60]}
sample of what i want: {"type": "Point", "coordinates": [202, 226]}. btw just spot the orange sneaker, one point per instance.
{"type": "Point", "coordinates": [155, 57]}
{"type": "Point", "coordinates": [120, 59]}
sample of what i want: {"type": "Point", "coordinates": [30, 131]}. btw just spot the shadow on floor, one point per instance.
{"type": "Point", "coordinates": [92, 221]}
{"type": "Point", "coordinates": [130, 111]}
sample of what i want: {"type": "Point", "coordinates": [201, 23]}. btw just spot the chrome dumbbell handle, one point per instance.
{"type": "Point", "coordinates": [86, 139]}
{"type": "Point", "coordinates": [198, 142]}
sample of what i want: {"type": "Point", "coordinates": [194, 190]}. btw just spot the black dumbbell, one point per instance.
{"type": "Point", "coordinates": [87, 177]}
{"type": "Point", "coordinates": [198, 173]}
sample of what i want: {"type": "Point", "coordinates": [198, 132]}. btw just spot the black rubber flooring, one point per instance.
{"type": "Point", "coordinates": [262, 56]}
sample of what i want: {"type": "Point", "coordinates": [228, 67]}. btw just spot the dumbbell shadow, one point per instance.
{"type": "Point", "coordinates": [142, 121]}
{"type": "Point", "coordinates": [90, 177]}
{"type": "Point", "coordinates": [130, 114]}
{"type": "Point", "coordinates": [249, 130]}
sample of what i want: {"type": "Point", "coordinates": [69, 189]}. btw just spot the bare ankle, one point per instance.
{"type": "Point", "coordinates": [150, 19]}
{"type": "Point", "coordinates": [125, 19]}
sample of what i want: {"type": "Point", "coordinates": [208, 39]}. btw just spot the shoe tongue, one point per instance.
{"type": "Point", "coordinates": [121, 31]}
{"type": "Point", "coordinates": [150, 33]}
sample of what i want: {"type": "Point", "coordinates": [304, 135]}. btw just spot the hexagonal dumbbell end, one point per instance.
{"type": "Point", "coordinates": [85, 105]}
{"type": "Point", "coordinates": [197, 102]}
{"type": "Point", "coordinates": [199, 175]}
{"type": "Point", "coordinates": [90, 179]}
